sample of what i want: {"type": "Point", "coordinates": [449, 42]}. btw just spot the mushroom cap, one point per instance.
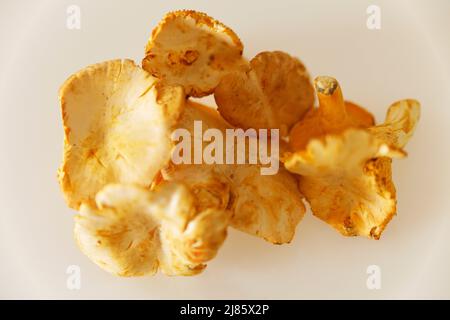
{"type": "Point", "coordinates": [118, 233]}
{"type": "Point", "coordinates": [191, 49]}
{"type": "Point", "coordinates": [274, 93]}
{"type": "Point", "coordinates": [117, 121]}
{"type": "Point", "coordinates": [131, 231]}
{"type": "Point", "coordinates": [267, 206]}
{"type": "Point", "coordinates": [346, 183]}
{"type": "Point", "coordinates": [346, 177]}
{"type": "Point", "coordinates": [401, 121]}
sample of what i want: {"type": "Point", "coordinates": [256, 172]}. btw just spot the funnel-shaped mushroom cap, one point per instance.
{"type": "Point", "coordinates": [130, 231]}
{"type": "Point", "coordinates": [268, 206]}
{"type": "Point", "coordinates": [117, 120]}
{"type": "Point", "coordinates": [274, 93]}
{"type": "Point", "coordinates": [344, 167]}
{"type": "Point", "coordinates": [191, 49]}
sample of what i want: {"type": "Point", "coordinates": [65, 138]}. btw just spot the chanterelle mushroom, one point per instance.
{"type": "Point", "coordinates": [131, 231]}
{"type": "Point", "coordinates": [117, 121]}
{"type": "Point", "coordinates": [274, 92]}
{"type": "Point", "coordinates": [191, 49]}
{"type": "Point", "coordinates": [345, 168]}
{"type": "Point", "coordinates": [268, 206]}
{"type": "Point", "coordinates": [142, 208]}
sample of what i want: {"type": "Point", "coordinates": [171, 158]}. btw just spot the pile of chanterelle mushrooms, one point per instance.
{"type": "Point", "coordinates": [140, 212]}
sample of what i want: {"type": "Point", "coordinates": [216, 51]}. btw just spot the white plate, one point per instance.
{"type": "Point", "coordinates": [407, 57]}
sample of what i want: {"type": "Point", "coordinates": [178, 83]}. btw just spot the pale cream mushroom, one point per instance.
{"type": "Point", "coordinates": [117, 121]}
{"type": "Point", "coordinates": [131, 231]}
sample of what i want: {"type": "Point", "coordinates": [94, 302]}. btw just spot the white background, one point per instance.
{"type": "Point", "coordinates": [408, 58]}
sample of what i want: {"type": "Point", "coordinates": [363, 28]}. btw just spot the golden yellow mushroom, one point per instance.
{"type": "Point", "coordinates": [274, 93]}
{"type": "Point", "coordinates": [191, 49]}
{"type": "Point", "coordinates": [344, 167]}
{"type": "Point", "coordinates": [268, 206]}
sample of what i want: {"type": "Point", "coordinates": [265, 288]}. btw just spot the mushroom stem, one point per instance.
{"type": "Point", "coordinates": [331, 101]}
